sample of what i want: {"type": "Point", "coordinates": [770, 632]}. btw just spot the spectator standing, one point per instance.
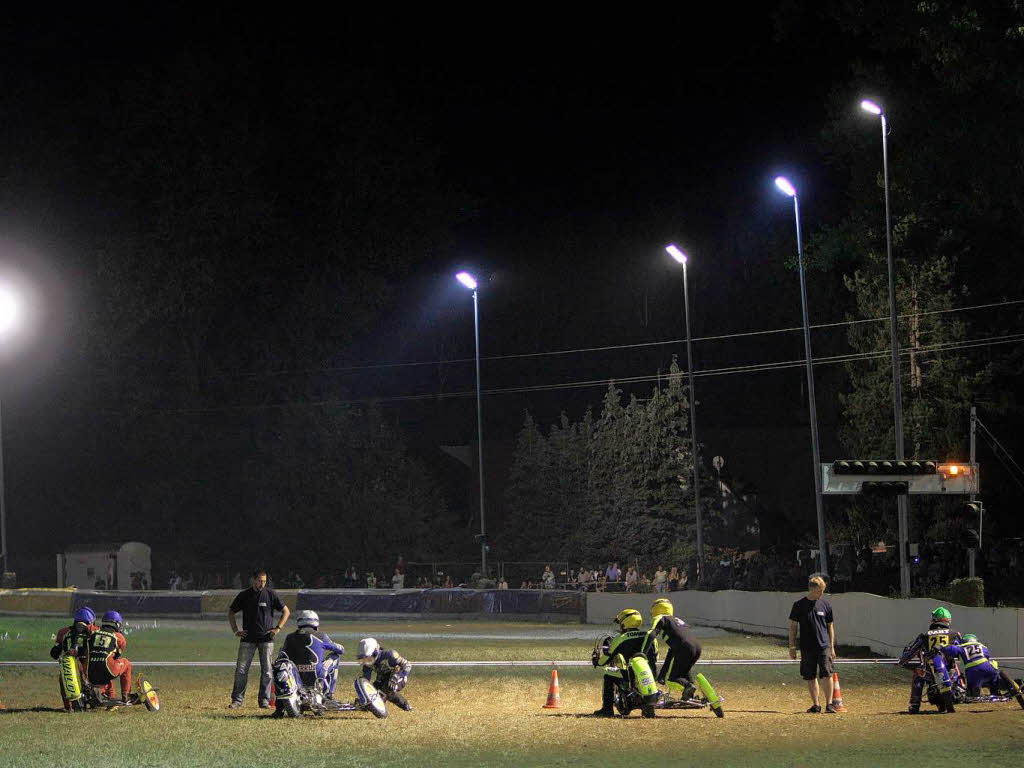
{"type": "Point", "coordinates": [583, 579]}
{"type": "Point", "coordinates": [371, 580]}
{"type": "Point", "coordinates": [502, 584]}
{"type": "Point", "coordinates": [673, 579]}
{"type": "Point", "coordinates": [398, 580]}
{"type": "Point", "coordinates": [257, 605]}
{"type": "Point", "coordinates": [631, 579]}
{"type": "Point", "coordinates": [613, 573]}
{"type": "Point", "coordinates": [548, 578]}
{"type": "Point", "coordinates": [812, 616]}
{"type": "Point", "coordinates": [660, 579]}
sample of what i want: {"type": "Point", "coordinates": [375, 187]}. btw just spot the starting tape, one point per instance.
{"type": "Point", "coordinates": [569, 663]}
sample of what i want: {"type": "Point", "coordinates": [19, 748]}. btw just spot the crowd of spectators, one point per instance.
{"type": "Point", "coordinates": [862, 569]}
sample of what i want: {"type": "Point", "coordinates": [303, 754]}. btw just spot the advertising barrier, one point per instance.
{"type": "Point", "coordinates": [883, 624]}
{"type": "Point", "coordinates": [214, 604]}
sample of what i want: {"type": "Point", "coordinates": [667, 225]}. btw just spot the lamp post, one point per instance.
{"type": "Point", "coordinates": [788, 189]}
{"type": "Point", "coordinates": [679, 256]}
{"type": "Point", "coordinates": [894, 346]}
{"type": "Point", "coordinates": [8, 318]}
{"type": "Point", "coordinates": [470, 282]}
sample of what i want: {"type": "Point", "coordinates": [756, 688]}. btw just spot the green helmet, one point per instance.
{"type": "Point", "coordinates": [941, 615]}
{"type": "Point", "coordinates": [970, 637]}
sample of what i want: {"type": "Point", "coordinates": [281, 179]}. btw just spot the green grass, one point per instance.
{"type": "Point", "coordinates": [483, 716]}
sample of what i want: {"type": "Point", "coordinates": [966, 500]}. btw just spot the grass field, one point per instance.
{"type": "Point", "coordinates": [481, 716]}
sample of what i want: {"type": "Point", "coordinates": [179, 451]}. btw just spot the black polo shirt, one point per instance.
{"type": "Point", "coordinates": [257, 613]}
{"type": "Point", "coordinates": [813, 616]}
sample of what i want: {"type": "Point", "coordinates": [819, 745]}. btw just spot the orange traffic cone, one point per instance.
{"type": "Point", "coordinates": [837, 694]}
{"type": "Point", "coordinates": [554, 694]}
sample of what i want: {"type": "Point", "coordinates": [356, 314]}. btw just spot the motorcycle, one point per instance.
{"type": "Point", "coordinates": [636, 688]}
{"type": "Point", "coordinates": [705, 697]}
{"type": "Point", "coordinates": [83, 695]}
{"type": "Point", "coordinates": [293, 699]}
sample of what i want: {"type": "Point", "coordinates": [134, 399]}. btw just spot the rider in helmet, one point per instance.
{"type": "Point", "coordinates": [632, 639]}
{"type": "Point", "coordinates": [928, 647]}
{"type": "Point", "coordinates": [683, 650]}
{"type": "Point", "coordinates": [314, 654]}
{"type": "Point", "coordinates": [73, 640]}
{"type": "Point", "coordinates": [980, 669]}
{"type": "Point", "coordinates": [392, 670]}
{"type": "Point", "coordinates": [106, 662]}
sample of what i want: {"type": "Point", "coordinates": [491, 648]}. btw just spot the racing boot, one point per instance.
{"type": "Point", "coordinates": [607, 697]}
{"type": "Point", "coordinates": [400, 701]}
{"type": "Point", "coordinates": [947, 704]}
{"type": "Point", "coordinates": [913, 709]}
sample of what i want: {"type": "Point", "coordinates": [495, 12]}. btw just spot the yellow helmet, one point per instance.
{"type": "Point", "coordinates": [662, 607]}
{"type": "Point", "coordinates": [629, 619]}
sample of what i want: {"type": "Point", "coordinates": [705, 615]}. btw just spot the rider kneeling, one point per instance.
{"type": "Point", "coordinates": [314, 654]}
{"type": "Point", "coordinates": [73, 640]}
{"type": "Point", "coordinates": [683, 650]}
{"type": "Point", "coordinates": [630, 641]}
{"type": "Point", "coordinates": [392, 670]}
{"type": "Point", "coordinates": [106, 662]}
{"type": "Point", "coordinates": [981, 669]}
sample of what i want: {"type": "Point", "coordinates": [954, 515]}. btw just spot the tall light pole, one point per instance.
{"type": "Point", "coordinates": [679, 256]}
{"type": "Point", "coordinates": [470, 282]}
{"type": "Point", "coordinates": [894, 345]}
{"type": "Point", "coordinates": [788, 189]}
{"type": "Point", "coordinates": [8, 319]}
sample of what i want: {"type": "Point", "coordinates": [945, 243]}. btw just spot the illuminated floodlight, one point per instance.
{"type": "Point", "coordinates": [467, 280]}
{"type": "Point", "coordinates": [784, 186]}
{"type": "Point", "coordinates": [8, 310]}
{"type": "Point", "coordinates": [870, 106]}
{"type": "Point", "coordinates": [676, 254]}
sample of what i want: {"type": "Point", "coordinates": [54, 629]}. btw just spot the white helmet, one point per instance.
{"type": "Point", "coordinates": [367, 650]}
{"type": "Point", "coordinates": [307, 619]}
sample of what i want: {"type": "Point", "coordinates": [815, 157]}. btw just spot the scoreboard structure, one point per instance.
{"type": "Point", "coordinates": [874, 477]}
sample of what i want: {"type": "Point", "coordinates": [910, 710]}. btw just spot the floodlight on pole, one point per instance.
{"type": "Point", "coordinates": [676, 254]}
{"type": "Point", "coordinates": [785, 187]}
{"type": "Point", "coordinates": [679, 256]}
{"type": "Point", "coordinates": [869, 106]}
{"type": "Point", "coordinates": [790, 191]}
{"type": "Point", "coordinates": [8, 322]}
{"type": "Point", "coordinates": [470, 282]}
{"type": "Point", "coordinates": [903, 515]}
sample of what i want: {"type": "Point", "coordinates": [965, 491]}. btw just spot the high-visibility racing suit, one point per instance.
{"type": "Point", "coordinates": [928, 647]}
{"type": "Point", "coordinates": [73, 640]}
{"type": "Point", "coordinates": [315, 656]}
{"type": "Point", "coordinates": [107, 662]}
{"type": "Point", "coordinates": [392, 675]}
{"type": "Point", "coordinates": [683, 652]}
{"type": "Point", "coordinates": [616, 655]}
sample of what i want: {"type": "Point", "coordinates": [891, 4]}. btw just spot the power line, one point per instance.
{"type": "Point", "coordinates": [604, 381]}
{"type": "Point", "coordinates": [638, 345]}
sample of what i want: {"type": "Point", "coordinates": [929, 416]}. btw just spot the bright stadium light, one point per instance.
{"type": "Point", "coordinates": [870, 106]}
{"type": "Point", "coordinates": [783, 184]}
{"type": "Point", "coordinates": [676, 254]}
{"type": "Point", "coordinates": [467, 280]}
{"type": "Point", "coordinates": [8, 310]}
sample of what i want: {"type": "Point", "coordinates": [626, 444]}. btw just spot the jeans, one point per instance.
{"type": "Point", "coordinates": [245, 653]}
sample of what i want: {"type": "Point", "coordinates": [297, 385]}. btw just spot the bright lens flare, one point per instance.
{"type": "Point", "coordinates": [676, 254]}
{"type": "Point", "coordinates": [8, 311]}
{"type": "Point", "coordinates": [783, 184]}
{"type": "Point", "coordinates": [467, 280]}
{"type": "Point", "coordinates": [870, 106]}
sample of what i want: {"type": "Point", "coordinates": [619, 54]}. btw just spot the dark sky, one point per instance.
{"type": "Point", "coordinates": [575, 147]}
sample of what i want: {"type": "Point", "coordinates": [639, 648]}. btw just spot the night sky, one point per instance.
{"type": "Point", "coordinates": [552, 154]}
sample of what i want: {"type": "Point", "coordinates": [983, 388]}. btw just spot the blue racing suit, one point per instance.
{"type": "Point", "coordinates": [316, 657]}
{"type": "Point", "coordinates": [392, 674]}
{"type": "Point", "coordinates": [981, 669]}
{"type": "Point", "coordinates": [928, 647]}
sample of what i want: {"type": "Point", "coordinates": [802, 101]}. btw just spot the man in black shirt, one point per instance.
{"type": "Point", "coordinates": [257, 606]}
{"type": "Point", "coordinates": [812, 616]}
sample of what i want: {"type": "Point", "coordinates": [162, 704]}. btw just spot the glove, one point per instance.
{"type": "Point", "coordinates": [55, 652]}
{"type": "Point", "coordinates": [396, 683]}
{"type": "Point", "coordinates": [594, 657]}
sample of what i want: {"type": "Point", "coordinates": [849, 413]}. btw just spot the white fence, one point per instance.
{"type": "Point", "coordinates": [881, 623]}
